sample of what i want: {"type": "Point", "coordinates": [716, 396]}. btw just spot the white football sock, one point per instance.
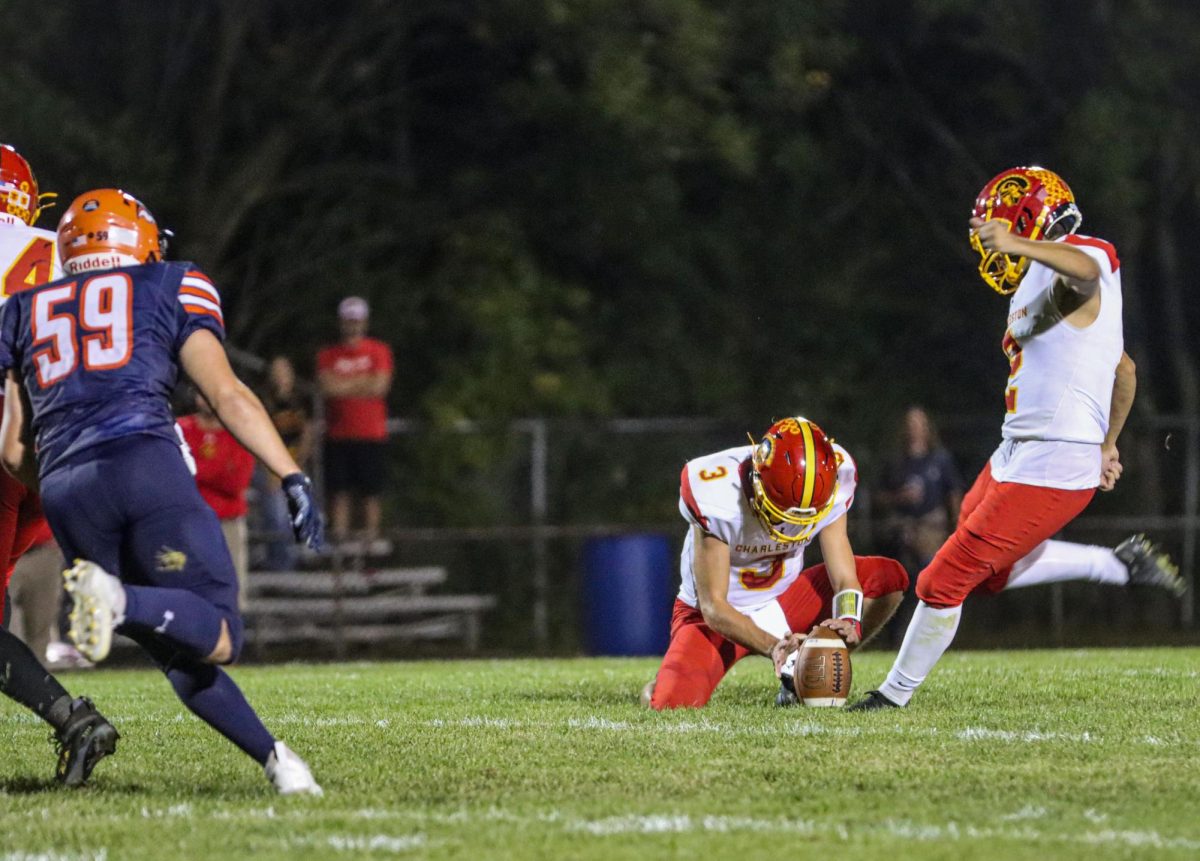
{"type": "Point", "coordinates": [928, 636]}
{"type": "Point", "coordinates": [1060, 561]}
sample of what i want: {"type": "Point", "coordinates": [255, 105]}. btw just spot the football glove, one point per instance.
{"type": "Point", "coordinates": [306, 518]}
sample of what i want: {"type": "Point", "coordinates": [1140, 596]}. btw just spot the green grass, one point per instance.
{"type": "Point", "coordinates": [1069, 754]}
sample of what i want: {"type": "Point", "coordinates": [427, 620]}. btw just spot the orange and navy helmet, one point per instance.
{"type": "Point", "coordinates": [1035, 203]}
{"type": "Point", "coordinates": [793, 478]}
{"type": "Point", "coordinates": [19, 189]}
{"type": "Point", "coordinates": [105, 229]}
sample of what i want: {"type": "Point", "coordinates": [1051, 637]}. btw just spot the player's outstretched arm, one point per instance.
{"type": "Point", "coordinates": [710, 562]}
{"type": "Point", "coordinates": [239, 409]}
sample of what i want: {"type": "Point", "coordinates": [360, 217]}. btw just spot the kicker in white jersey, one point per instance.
{"type": "Point", "coordinates": [1060, 378]}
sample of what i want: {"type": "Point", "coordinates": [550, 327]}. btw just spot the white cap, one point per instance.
{"type": "Point", "coordinates": [353, 308]}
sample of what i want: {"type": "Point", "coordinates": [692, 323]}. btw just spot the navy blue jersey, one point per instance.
{"type": "Point", "coordinates": [99, 353]}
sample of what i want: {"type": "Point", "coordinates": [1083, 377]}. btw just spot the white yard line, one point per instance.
{"type": "Point", "coordinates": [671, 823]}
{"type": "Point", "coordinates": [971, 734]}
{"type": "Point", "coordinates": [373, 843]}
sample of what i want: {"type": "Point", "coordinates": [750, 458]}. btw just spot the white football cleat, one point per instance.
{"type": "Point", "coordinates": [99, 606]}
{"type": "Point", "coordinates": [289, 773]}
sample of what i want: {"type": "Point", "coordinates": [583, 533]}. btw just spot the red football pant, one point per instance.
{"type": "Point", "coordinates": [698, 657]}
{"type": "Point", "coordinates": [22, 524]}
{"type": "Point", "coordinates": [1000, 523]}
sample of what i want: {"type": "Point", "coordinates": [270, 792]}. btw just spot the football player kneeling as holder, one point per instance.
{"type": "Point", "coordinates": [745, 590]}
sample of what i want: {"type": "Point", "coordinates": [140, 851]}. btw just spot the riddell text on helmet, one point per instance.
{"type": "Point", "coordinates": [88, 262]}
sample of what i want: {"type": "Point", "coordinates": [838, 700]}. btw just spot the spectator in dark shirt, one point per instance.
{"type": "Point", "coordinates": [289, 410]}
{"type": "Point", "coordinates": [292, 415]}
{"type": "Point", "coordinates": [922, 490]}
{"type": "Point", "coordinates": [919, 498]}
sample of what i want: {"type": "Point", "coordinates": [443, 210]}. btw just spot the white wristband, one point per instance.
{"type": "Point", "coordinates": [848, 604]}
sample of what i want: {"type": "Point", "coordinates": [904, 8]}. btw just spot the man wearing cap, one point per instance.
{"type": "Point", "coordinates": [355, 376]}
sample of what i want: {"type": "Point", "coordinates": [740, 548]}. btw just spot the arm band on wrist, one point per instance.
{"type": "Point", "coordinates": [848, 604]}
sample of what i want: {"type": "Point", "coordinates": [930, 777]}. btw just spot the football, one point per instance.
{"type": "Point", "coordinates": [822, 676]}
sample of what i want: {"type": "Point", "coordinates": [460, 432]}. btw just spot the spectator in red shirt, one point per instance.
{"type": "Point", "coordinates": [354, 376]}
{"type": "Point", "coordinates": [223, 473]}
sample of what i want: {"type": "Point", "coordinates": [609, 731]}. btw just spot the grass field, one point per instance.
{"type": "Point", "coordinates": [1071, 754]}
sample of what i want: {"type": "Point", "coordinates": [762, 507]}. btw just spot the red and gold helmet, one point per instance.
{"type": "Point", "coordinates": [1035, 203]}
{"type": "Point", "coordinates": [19, 189]}
{"type": "Point", "coordinates": [105, 229]}
{"type": "Point", "coordinates": [793, 478]}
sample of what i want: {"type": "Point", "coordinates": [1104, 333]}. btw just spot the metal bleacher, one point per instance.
{"type": "Point", "coordinates": [340, 608]}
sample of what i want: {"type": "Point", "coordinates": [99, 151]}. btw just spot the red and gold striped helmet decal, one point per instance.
{"type": "Point", "coordinates": [810, 456]}
{"type": "Point", "coordinates": [794, 462]}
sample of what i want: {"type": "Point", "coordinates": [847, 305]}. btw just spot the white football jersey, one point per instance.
{"type": "Point", "coordinates": [1061, 380]}
{"type": "Point", "coordinates": [711, 496]}
{"type": "Point", "coordinates": [28, 257]}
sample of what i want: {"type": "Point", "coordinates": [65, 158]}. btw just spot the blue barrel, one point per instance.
{"type": "Point", "coordinates": [628, 591]}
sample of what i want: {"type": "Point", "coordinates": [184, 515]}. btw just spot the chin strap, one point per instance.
{"type": "Point", "coordinates": [45, 200]}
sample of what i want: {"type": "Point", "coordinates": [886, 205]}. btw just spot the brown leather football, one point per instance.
{"type": "Point", "coordinates": [822, 676]}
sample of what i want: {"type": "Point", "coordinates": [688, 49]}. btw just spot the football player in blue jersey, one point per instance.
{"type": "Point", "coordinates": [92, 359]}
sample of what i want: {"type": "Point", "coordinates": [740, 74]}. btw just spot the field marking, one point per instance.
{"type": "Point", "coordinates": [979, 733]}
{"type": "Point", "coordinates": [678, 823]}
{"type": "Point", "coordinates": [684, 823]}
{"type": "Point", "coordinates": [175, 810]}
{"type": "Point", "coordinates": [1029, 811]}
{"type": "Point", "coordinates": [803, 729]}
{"type": "Point", "coordinates": [372, 843]}
{"type": "Point", "coordinates": [598, 723]}
{"type": "Point", "coordinates": [98, 855]}
{"type": "Point", "coordinates": [900, 829]}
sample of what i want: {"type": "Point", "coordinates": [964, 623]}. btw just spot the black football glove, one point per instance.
{"type": "Point", "coordinates": [306, 518]}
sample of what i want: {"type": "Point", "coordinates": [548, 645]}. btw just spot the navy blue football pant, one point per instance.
{"type": "Point", "coordinates": [132, 507]}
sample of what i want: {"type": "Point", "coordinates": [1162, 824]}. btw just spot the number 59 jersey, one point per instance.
{"type": "Point", "coordinates": [98, 354]}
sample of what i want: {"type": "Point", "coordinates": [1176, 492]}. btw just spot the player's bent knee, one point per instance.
{"type": "Point", "coordinates": [880, 575]}
{"type": "Point", "coordinates": [892, 577]}
{"type": "Point", "coordinates": [647, 698]}
{"type": "Point", "coordinates": [935, 592]}
{"type": "Point", "coordinates": [678, 695]}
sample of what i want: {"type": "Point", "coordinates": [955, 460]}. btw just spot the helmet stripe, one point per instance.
{"type": "Point", "coordinates": [810, 474]}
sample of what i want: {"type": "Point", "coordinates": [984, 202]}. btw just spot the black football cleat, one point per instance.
{"type": "Point", "coordinates": [84, 740]}
{"type": "Point", "coordinates": [873, 701]}
{"type": "Point", "coordinates": [787, 694]}
{"type": "Point", "coordinates": [1148, 566]}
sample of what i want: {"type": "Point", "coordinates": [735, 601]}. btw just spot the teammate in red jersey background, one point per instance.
{"type": "Point", "coordinates": [223, 472]}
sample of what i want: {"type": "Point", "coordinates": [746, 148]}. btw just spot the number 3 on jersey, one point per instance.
{"type": "Point", "coordinates": [105, 316]}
